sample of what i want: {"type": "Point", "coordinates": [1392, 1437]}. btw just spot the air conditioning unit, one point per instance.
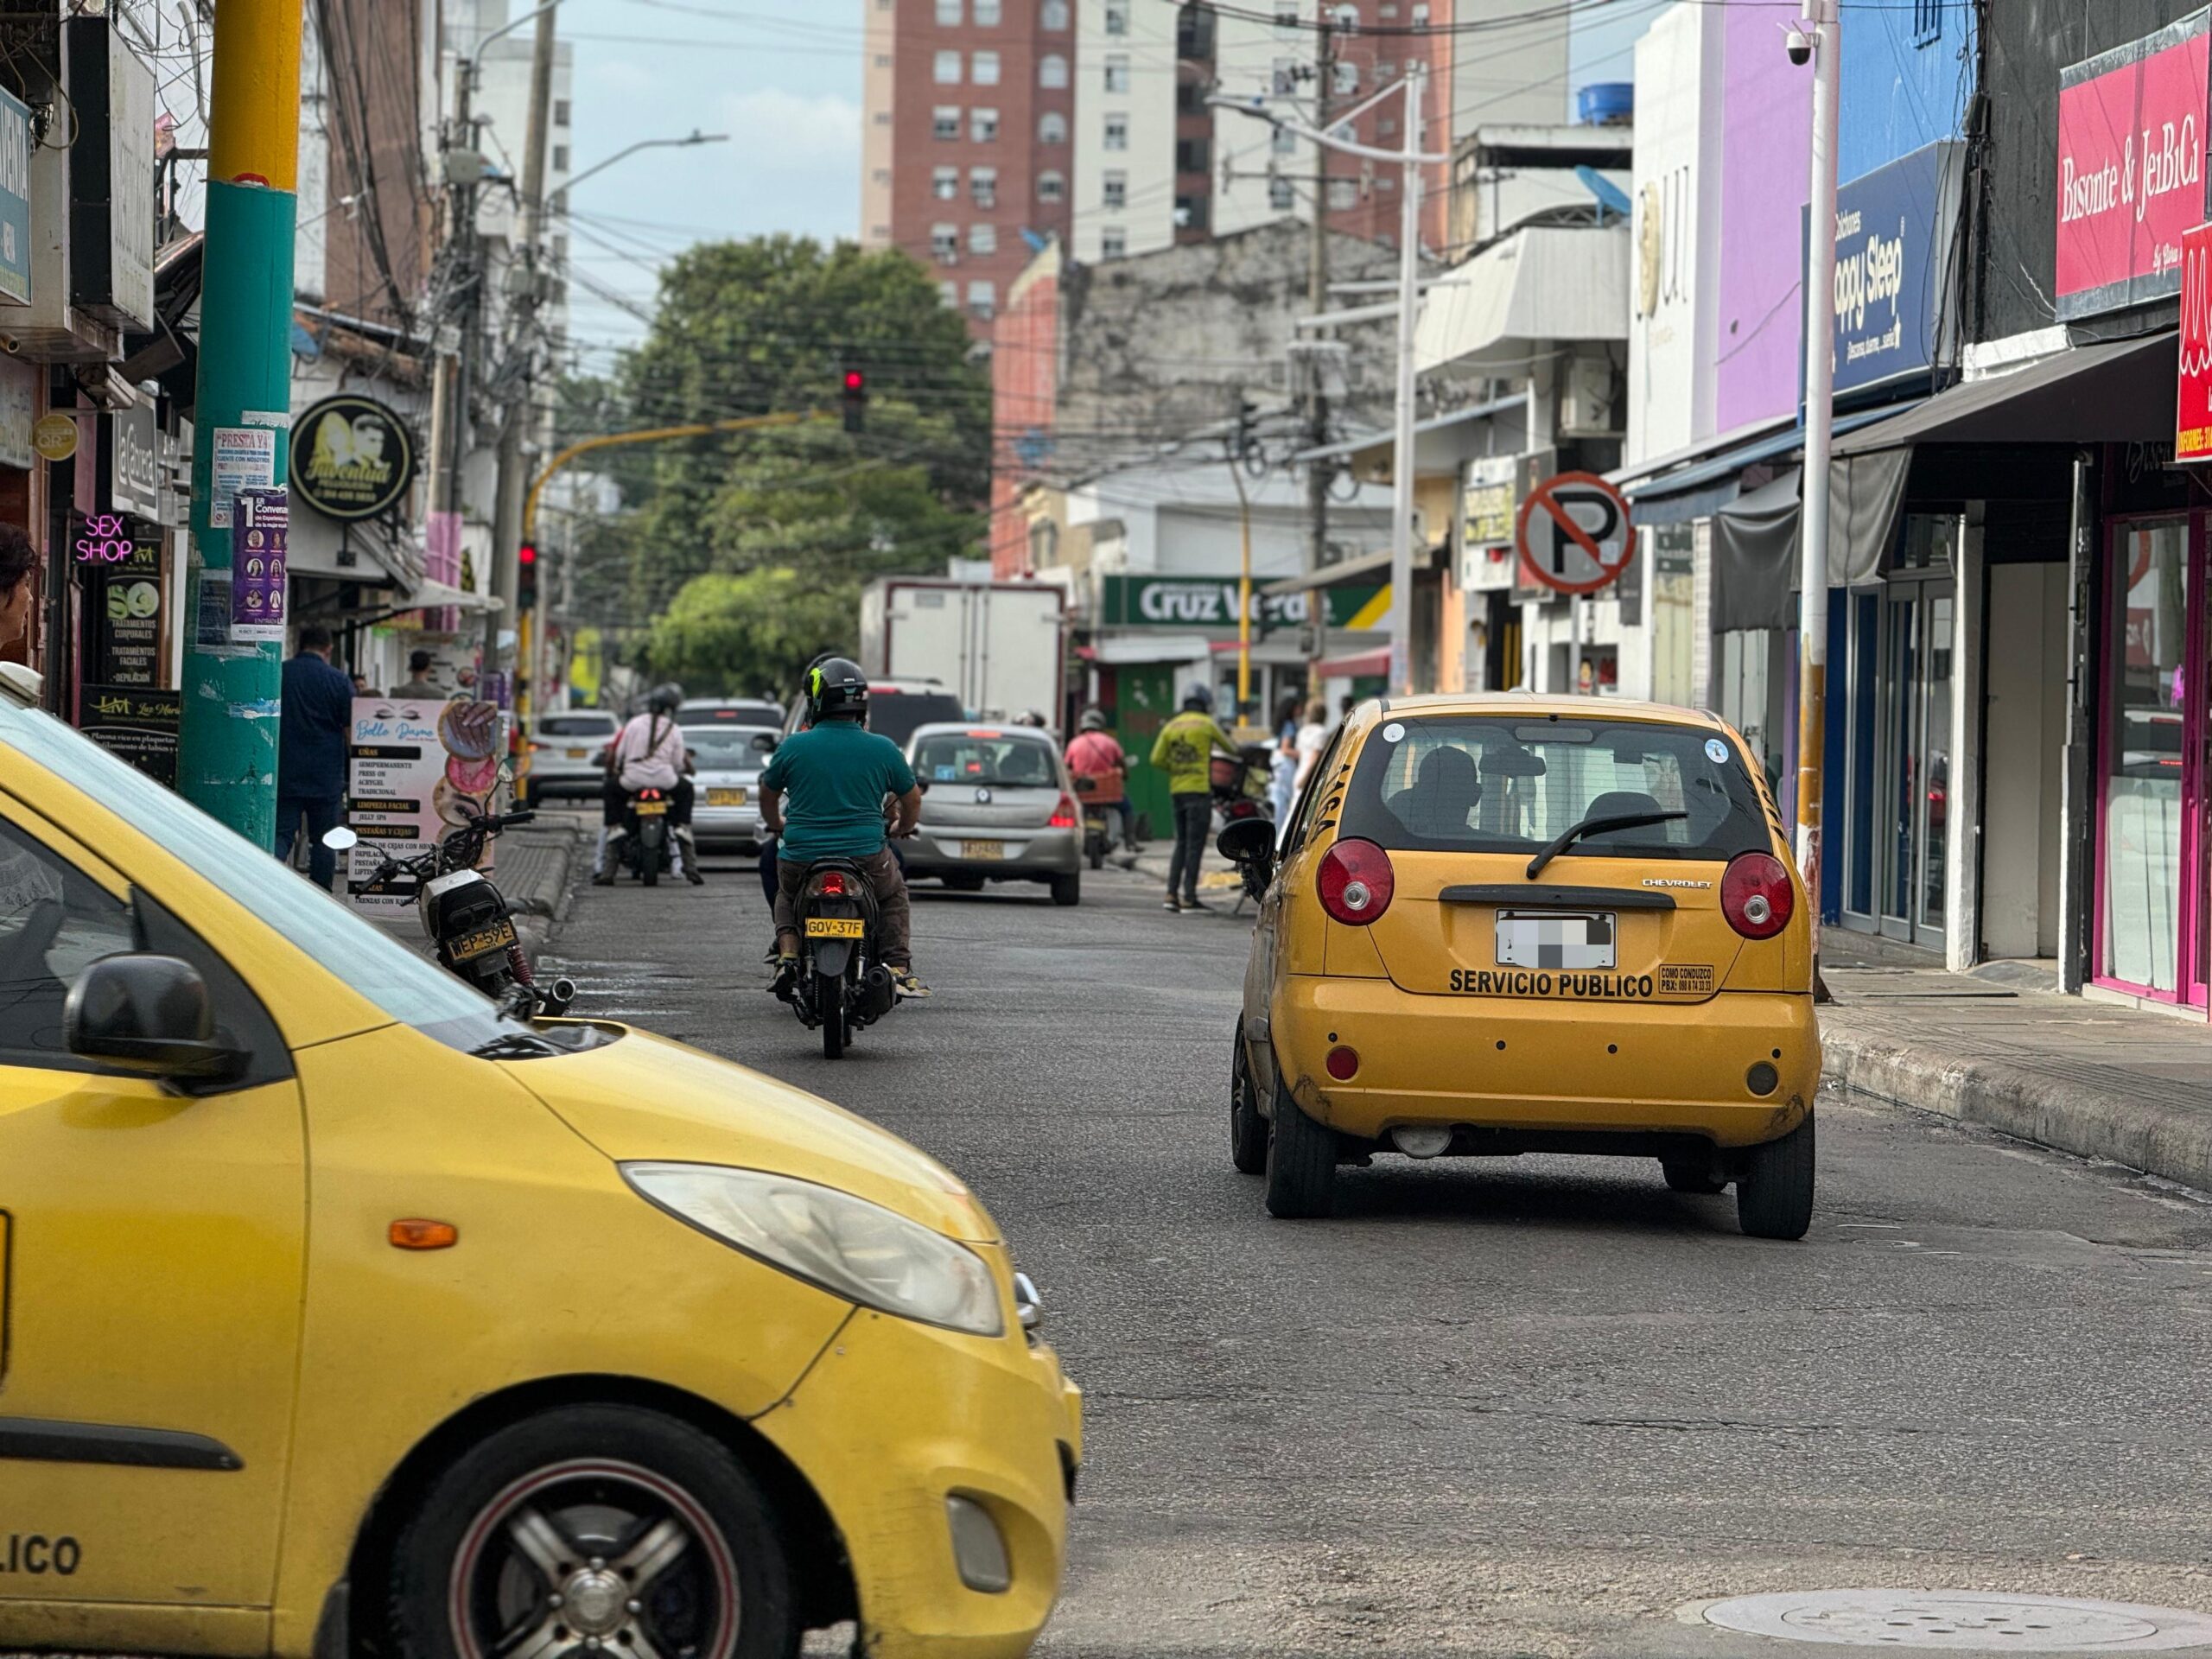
{"type": "Point", "coordinates": [1588, 404]}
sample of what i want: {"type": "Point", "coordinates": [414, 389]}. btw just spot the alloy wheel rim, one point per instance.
{"type": "Point", "coordinates": [598, 1559]}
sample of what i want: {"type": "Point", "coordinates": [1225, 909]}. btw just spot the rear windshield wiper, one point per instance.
{"type": "Point", "coordinates": [1567, 838]}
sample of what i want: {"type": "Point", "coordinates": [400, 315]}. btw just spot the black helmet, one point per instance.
{"type": "Point", "coordinates": [1198, 697]}
{"type": "Point", "coordinates": [665, 698]}
{"type": "Point", "coordinates": [835, 689]}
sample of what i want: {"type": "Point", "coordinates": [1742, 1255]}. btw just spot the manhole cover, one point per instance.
{"type": "Point", "coordinates": [1962, 1619]}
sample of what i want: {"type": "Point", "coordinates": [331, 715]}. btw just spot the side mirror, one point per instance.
{"type": "Point", "coordinates": [339, 838]}
{"type": "Point", "coordinates": [1247, 841]}
{"type": "Point", "coordinates": [764, 741]}
{"type": "Point", "coordinates": [146, 1014]}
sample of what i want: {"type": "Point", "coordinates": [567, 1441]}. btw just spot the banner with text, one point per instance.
{"type": "Point", "coordinates": [1211, 602]}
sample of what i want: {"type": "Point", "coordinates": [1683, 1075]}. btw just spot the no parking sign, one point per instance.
{"type": "Point", "coordinates": [1573, 533]}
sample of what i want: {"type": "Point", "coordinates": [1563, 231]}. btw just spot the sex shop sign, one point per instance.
{"type": "Point", "coordinates": [2130, 178]}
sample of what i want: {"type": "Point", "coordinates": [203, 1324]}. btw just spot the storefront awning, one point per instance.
{"type": "Point", "coordinates": [2119, 392]}
{"type": "Point", "coordinates": [1755, 557]}
{"type": "Point", "coordinates": [1359, 666]}
{"type": "Point", "coordinates": [1702, 488]}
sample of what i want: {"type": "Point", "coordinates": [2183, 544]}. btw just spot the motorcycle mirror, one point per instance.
{"type": "Point", "coordinates": [339, 838]}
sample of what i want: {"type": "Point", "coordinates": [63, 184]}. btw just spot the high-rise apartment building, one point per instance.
{"type": "Point", "coordinates": [967, 157]}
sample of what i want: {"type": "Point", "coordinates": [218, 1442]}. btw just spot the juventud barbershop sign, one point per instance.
{"type": "Point", "coordinates": [2131, 168]}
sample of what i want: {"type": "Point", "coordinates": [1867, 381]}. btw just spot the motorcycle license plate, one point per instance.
{"type": "Point", "coordinates": [483, 941]}
{"type": "Point", "coordinates": [984, 849]}
{"type": "Point", "coordinates": [652, 809]}
{"type": "Point", "coordinates": [725, 797]}
{"type": "Point", "coordinates": [577, 754]}
{"type": "Point", "coordinates": [835, 927]}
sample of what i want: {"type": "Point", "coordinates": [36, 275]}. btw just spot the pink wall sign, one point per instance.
{"type": "Point", "coordinates": [2131, 169]}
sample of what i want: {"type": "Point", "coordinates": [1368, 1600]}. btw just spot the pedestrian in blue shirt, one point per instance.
{"type": "Point", "coordinates": [316, 717]}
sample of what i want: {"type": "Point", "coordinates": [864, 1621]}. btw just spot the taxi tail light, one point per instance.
{"type": "Point", "coordinates": [1756, 896]}
{"type": "Point", "coordinates": [1354, 882]}
{"type": "Point", "coordinates": [1064, 814]}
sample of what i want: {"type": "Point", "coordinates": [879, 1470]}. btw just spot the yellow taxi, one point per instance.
{"type": "Point", "coordinates": [340, 1312]}
{"type": "Point", "coordinates": [1502, 923]}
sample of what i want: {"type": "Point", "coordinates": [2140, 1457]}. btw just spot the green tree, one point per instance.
{"type": "Point", "coordinates": [752, 632]}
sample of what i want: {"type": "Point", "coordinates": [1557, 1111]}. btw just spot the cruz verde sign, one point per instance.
{"type": "Point", "coordinates": [1209, 602]}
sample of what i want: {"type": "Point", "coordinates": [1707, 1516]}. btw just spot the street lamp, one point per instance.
{"type": "Point", "coordinates": [695, 136]}
{"type": "Point", "coordinates": [1411, 159]}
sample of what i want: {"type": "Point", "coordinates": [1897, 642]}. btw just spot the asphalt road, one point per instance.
{"type": "Point", "coordinates": [1525, 1406]}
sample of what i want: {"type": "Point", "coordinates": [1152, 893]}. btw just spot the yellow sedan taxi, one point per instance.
{"type": "Point", "coordinates": [1502, 923]}
{"type": "Point", "coordinates": [340, 1311]}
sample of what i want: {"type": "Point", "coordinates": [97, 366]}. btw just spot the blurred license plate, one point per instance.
{"type": "Point", "coordinates": [484, 941]}
{"type": "Point", "coordinates": [577, 754]}
{"type": "Point", "coordinates": [984, 849]}
{"type": "Point", "coordinates": [835, 927]}
{"type": "Point", "coordinates": [1555, 938]}
{"type": "Point", "coordinates": [725, 797]}
{"type": "Point", "coordinates": [652, 809]}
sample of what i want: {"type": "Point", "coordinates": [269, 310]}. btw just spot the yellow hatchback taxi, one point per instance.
{"type": "Point", "coordinates": [1504, 923]}
{"type": "Point", "coordinates": [340, 1311]}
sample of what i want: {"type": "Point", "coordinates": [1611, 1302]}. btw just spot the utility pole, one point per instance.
{"type": "Point", "coordinates": [227, 742]}
{"type": "Point", "coordinates": [515, 415]}
{"type": "Point", "coordinates": [1402, 451]}
{"type": "Point", "coordinates": [1822, 24]}
{"type": "Point", "coordinates": [1318, 475]}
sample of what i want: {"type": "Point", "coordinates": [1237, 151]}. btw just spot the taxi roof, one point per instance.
{"type": "Point", "coordinates": [1528, 702]}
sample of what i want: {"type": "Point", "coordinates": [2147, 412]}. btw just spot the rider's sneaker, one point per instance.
{"type": "Point", "coordinates": [787, 975]}
{"type": "Point", "coordinates": [1193, 904]}
{"type": "Point", "coordinates": [904, 982]}
{"type": "Point", "coordinates": [1171, 903]}
{"type": "Point", "coordinates": [603, 878]}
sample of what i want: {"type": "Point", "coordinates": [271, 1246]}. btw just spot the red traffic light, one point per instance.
{"type": "Point", "coordinates": [528, 554]}
{"type": "Point", "coordinates": [854, 380]}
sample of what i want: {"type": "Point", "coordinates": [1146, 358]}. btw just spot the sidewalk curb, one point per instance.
{"type": "Point", "coordinates": [2159, 1140]}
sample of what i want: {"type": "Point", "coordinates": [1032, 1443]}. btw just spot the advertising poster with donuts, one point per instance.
{"type": "Point", "coordinates": [417, 769]}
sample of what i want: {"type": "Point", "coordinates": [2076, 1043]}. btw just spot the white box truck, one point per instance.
{"type": "Point", "coordinates": [1000, 647]}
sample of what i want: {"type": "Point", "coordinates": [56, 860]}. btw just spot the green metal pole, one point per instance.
{"type": "Point", "coordinates": [226, 746]}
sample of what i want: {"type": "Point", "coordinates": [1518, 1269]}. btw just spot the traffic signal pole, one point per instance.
{"type": "Point", "coordinates": [226, 740]}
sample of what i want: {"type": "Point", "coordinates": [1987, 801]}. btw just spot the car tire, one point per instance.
{"type": "Point", "coordinates": [514, 1520]}
{"type": "Point", "coordinates": [1301, 1164]}
{"type": "Point", "coordinates": [1773, 1188]}
{"type": "Point", "coordinates": [1248, 1130]}
{"type": "Point", "coordinates": [1067, 889]}
{"type": "Point", "coordinates": [1693, 1178]}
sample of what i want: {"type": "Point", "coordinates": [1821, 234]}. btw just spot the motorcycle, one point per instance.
{"type": "Point", "coordinates": [1102, 827]}
{"type": "Point", "coordinates": [1240, 796]}
{"type": "Point", "coordinates": [644, 846]}
{"type": "Point", "coordinates": [841, 986]}
{"type": "Point", "coordinates": [465, 916]}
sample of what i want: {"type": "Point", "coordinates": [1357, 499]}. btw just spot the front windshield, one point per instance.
{"type": "Point", "coordinates": [411, 989]}
{"type": "Point", "coordinates": [727, 748]}
{"type": "Point", "coordinates": [984, 758]}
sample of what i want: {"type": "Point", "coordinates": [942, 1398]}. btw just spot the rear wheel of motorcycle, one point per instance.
{"type": "Point", "coordinates": [1097, 855]}
{"type": "Point", "coordinates": [829, 1001]}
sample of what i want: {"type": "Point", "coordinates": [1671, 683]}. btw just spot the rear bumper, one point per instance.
{"type": "Point", "coordinates": [1030, 855]}
{"type": "Point", "coordinates": [716, 825]}
{"type": "Point", "coordinates": [564, 778]}
{"type": "Point", "coordinates": [1607, 1068]}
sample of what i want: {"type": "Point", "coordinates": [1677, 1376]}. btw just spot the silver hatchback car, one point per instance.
{"type": "Point", "coordinates": [564, 753]}
{"type": "Point", "coordinates": [997, 806]}
{"type": "Point", "coordinates": [728, 762]}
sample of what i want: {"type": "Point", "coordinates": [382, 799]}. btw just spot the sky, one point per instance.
{"type": "Point", "coordinates": [783, 78]}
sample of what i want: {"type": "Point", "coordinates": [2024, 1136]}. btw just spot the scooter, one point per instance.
{"type": "Point", "coordinates": [465, 916]}
{"type": "Point", "coordinates": [1101, 826]}
{"type": "Point", "coordinates": [1240, 796]}
{"type": "Point", "coordinates": [840, 984]}
{"type": "Point", "coordinates": [644, 848]}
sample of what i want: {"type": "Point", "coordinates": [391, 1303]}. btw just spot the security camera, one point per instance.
{"type": "Point", "coordinates": [1799, 46]}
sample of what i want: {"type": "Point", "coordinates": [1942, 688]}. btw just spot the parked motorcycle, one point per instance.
{"type": "Point", "coordinates": [1240, 796]}
{"type": "Point", "coordinates": [644, 846]}
{"type": "Point", "coordinates": [840, 984]}
{"type": "Point", "coordinates": [465, 916]}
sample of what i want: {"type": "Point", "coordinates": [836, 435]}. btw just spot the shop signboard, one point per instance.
{"type": "Point", "coordinates": [14, 200]}
{"type": "Point", "coordinates": [1188, 602]}
{"type": "Point", "coordinates": [135, 723]}
{"type": "Point", "coordinates": [2193, 413]}
{"type": "Point", "coordinates": [351, 458]}
{"type": "Point", "coordinates": [123, 592]}
{"type": "Point", "coordinates": [134, 458]}
{"type": "Point", "coordinates": [110, 174]}
{"type": "Point", "coordinates": [1894, 230]}
{"type": "Point", "coordinates": [2131, 171]}
{"type": "Point", "coordinates": [417, 767]}
{"type": "Point", "coordinates": [1496, 486]}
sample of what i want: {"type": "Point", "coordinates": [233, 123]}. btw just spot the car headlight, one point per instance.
{"type": "Point", "coordinates": [848, 1246]}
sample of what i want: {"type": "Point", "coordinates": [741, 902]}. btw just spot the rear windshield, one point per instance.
{"type": "Point", "coordinates": [723, 748]}
{"type": "Point", "coordinates": [899, 715]}
{"type": "Point", "coordinates": [1492, 784]}
{"type": "Point", "coordinates": [576, 725]}
{"type": "Point", "coordinates": [961, 757]}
